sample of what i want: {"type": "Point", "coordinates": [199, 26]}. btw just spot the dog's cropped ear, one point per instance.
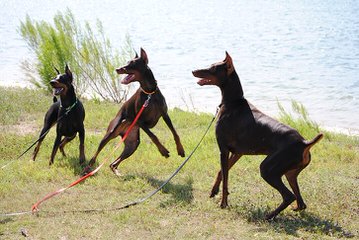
{"type": "Point", "coordinates": [136, 56]}
{"type": "Point", "coordinates": [68, 72]}
{"type": "Point", "coordinates": [229, 64]}
{"type": "Point", "coordinates": [57, 70]}
{"type": "Point", "coordinates": [144, 56]}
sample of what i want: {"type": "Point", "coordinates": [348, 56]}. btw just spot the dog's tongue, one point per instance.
{"type": "Point", "coordinates": [203, 81]}
{"type": "Point", "coordinates": [129, 78]}
{"type": "Point", "coordinates": [57, 91]}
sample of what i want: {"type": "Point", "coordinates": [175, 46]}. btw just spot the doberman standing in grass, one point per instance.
{"type": "Point", "coordinates": [244, 130]}
{"type": "Point", "coordinates": [68, 113]}
{"type": "Point", "coordinates": [137, 70]}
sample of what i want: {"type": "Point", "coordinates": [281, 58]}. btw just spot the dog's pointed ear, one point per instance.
{"type": "Point", "coordinates": [144, 56]}
{"type": "Point", "coordinates": [68, 71]}
{"type": "Point", "coordinates": [136, 56]}
{"type": "Point", "coordinates": [229, 64]}
{"type": "Point", "coordinates": [57, 70]}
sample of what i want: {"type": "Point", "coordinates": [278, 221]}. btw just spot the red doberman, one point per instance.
{"type": "Point", "coordinates": [244, 130]}
{"type": "Point", "coordinates": [137, 70]}
{"type": "Point", "coordinates": [69, 114]}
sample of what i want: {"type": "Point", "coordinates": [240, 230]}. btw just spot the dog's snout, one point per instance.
{"type": "Point", "coordinates": [121, 70]}
{"type": "Point", "coordinates": [53, 82]}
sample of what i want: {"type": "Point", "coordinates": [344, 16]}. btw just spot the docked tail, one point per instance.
{"type": "Point", "coordinates": [310, 143]}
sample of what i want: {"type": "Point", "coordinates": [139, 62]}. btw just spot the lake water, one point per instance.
{"type": "Point", "coordinates": [307, 51]}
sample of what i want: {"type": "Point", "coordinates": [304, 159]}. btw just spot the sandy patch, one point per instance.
{"type": "Point", "coordinates": [21, 128]}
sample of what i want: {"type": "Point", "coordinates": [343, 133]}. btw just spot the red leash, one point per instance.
{"type": "Point", "coordinates": [34, 208]}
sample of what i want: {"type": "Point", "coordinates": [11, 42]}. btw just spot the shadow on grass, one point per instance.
{"type": "Point", "coordinates": [6, 220]}
{"type": "Point", "coordinates": [181, 193]}
{"type": "Point", "coordinates": [304, 221]}
{"type": "Point", "coordinates": [72, 162]}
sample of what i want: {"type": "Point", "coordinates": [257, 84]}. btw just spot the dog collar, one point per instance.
{"type": "Point", "coordinates": [71, 107]}
{"type": "Point", "coordinates": [148, 93]}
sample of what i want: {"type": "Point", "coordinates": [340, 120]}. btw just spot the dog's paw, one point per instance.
{"type": "Point", "coordinates": [299, 207]}
{"type": "Point", "coordinates": [165, 152]}
{"type": "Point", "coordinates": [224, 204]}
{"type": "Point", "coordinates": [271, 216]}
{"type": "Point", "coordinates": [116, 171]}
{"type": "Point", "coordinates": [181, 153]}
{"type": "Point", "coordinates": [180, 150]}
{"type": "Point", "coordinates": [86, 170]}
{"type": "Point", "coordinates": [214, 192]}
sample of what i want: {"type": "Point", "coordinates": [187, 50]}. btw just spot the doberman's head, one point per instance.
{"type": "Point", "coordinates": [138, 71]}
{"type": "Point", "coordinates": [62, 83]}
{"type": "Point", "coordinates": [217, 74]}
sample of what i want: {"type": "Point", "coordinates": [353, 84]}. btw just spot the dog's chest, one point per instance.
{"type": "Point", "coordinates": [67, 126]}
{"type": "Point", "coordinates": [153, 111]}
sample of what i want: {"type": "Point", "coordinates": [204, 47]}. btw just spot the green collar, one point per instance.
{"type": "Point", "coordinates": [68, 109]}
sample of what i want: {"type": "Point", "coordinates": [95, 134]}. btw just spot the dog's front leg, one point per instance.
{"type": "Point", "coordinates": [155, 140]}
{"type": "Point", "coordinates": [224, 170]}
{"type": "Point", "coordinates": [55, 148]}
{"type": "Point", "coordinates": [232, 160]}
{"type": "Point", "coordinates": [168, 121]}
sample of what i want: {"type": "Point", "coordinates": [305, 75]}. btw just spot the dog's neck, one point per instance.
{"type": "Point", "coordinates": [69, 99]}
{"type": "Point", "coordinates": [232, 89]}
{"type": "Point", "coordinates": [149, 83]}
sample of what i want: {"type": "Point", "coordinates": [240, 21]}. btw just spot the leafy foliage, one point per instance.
{"type": "Point", "coordinates": [89, 54]}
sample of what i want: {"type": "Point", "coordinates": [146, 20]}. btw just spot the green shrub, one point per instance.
{"type": "Point", "coordinates": [89, 54]}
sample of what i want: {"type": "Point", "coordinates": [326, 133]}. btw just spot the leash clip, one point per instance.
{"type": "Point", "coordinates": [147, 101]}
{"type": "Point", "coordinates": [217, 110]}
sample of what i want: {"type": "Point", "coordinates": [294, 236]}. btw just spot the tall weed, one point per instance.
{"type": "Point", "coordinates": [89, 54]}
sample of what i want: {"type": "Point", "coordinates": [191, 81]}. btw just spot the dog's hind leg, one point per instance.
{"type": "Point", "coordinates": [292, 176]}
{"type": "Point", "coordinates": [131, 143]}
{"type": "Point", "coordinates": [64, 142]}
{"type": "Point", "coordinates": [55, 148]}
{"type": "Point", "coordinates": [272, 169]}
{"type": "Point", "coordinates": [49, 120]}
{"type": "Point", "coordinates": [41, 138]}
{"type": "Point", "coordinates": [232, 160]}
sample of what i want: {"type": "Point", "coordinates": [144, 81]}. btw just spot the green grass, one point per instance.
{"type": "Point", "coordinates": [182, 210]}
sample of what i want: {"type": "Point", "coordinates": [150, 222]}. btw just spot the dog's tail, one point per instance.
{"type": "Point", "coordinates": [54, 99]}
{"type": "Point", "coordinates": [310, 143]}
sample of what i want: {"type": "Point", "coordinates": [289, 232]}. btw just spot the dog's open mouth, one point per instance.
{"type": "Point", "coordinates": [57, 91]}
{"type": "Point", "coordinates": [204, 81]}
{"type": "Point", "coordinates": [129, 78]}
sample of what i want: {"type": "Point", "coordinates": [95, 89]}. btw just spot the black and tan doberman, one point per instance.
{"type": "Point", "coordinates": [244, 130]}
{"type": "Point", "coordinates": [137, 70]}
{"type": "Point", "coordinates": [68, 113]}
